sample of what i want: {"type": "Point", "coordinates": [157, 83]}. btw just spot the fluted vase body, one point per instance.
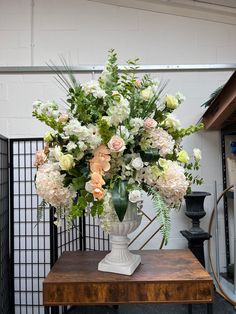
{"type": "Point", "coordinates": [120, 260]}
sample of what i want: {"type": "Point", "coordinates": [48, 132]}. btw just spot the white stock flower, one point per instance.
{"type": "Point", "coordinates": [137, 163]}
{"type": "Point", "coordinates": [197, 154]}
{"type": "Point", "coordinates": [135, 196]}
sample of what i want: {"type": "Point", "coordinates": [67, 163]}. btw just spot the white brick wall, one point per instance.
{"type": "Point", "coordinates": [83, 31]}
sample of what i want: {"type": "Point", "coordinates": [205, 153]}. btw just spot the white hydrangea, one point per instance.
{"type": "Point", "coordinates": [119, 111]}
{"type": "Point", "coordinates": [108, 216]}
{"type": "Point", "coordinates": [74, 127]}
{"type": "Point", "coordinates": [136, 124]}
{"type": "Point", "coordinates": [93, 87]}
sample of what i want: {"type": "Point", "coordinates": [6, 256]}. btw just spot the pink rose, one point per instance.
{"type": "Point", "coordinates": [63, 118]}
{"type": "Point", "coordinates": [116, 144]}
{"type": "Point", "coordinates": [150, 123]}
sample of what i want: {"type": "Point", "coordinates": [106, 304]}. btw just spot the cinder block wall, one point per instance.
{"type": "Point", "coordinates": [82, 31]}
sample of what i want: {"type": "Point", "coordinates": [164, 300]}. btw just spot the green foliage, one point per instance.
{"type": "Point", "coordinates": [180, 133]}
{"type": "Point", "coordinates": [162, 210]}
{"type": "Point", "coordinates": [163, 214]}
{"type": "Point", "coordinates": [110, 77]}
{"type": "Point", "coordinates": [105, 130]}
{"type": "Point", "coordinates": [97, 208]}
{"type": "Point", "coordinates": [50, 121]}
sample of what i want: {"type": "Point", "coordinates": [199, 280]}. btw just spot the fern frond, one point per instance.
{"type": "Point", "coordinates": [163, 214]}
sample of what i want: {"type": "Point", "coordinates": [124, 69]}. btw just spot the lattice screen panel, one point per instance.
{"type": "Point", "coordinates": [4, 229]}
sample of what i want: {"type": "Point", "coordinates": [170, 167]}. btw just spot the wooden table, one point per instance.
{"type": "Point", "coordinates": [164, 276]}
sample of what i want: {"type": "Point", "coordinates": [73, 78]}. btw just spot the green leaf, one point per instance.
{"type": "Point", "coordinates": [149, 155]}
{"type": "Point", "coordinates": [78, 183]}
{"type": "Point", "coordinates": [120, 198]}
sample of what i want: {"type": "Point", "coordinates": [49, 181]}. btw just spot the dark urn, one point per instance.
{"type": "Point", "coordinates": [195, 209]}
{"type": "Point", "coordinates": [196, 235]}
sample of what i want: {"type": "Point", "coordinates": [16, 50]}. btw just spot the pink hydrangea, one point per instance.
{"type": "Point", "coordinates": [162, 140]}
{"type": "Point", "coordinates": [172, 183]}
{"type": "Point", "coordinates": [50, 186]}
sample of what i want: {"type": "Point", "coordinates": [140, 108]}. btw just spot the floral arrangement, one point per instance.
{"type": "Point", "coordinates": [116, 138]}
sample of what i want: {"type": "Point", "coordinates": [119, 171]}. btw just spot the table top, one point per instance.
{"type": "Point", "coordinates": [163, 276]}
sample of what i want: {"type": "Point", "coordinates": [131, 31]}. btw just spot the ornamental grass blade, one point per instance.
{"type": "Point", "coordinates": [120, 198]}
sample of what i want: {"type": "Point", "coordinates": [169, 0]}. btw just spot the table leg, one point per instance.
{"type": "Point", "coordinates": [209, 308]}
{"type": "Point", "coordinates": [190, 308]}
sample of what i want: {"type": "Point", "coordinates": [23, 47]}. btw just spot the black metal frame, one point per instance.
{"type": "Point", "coordinates": [35, 246]}
{"type": "Point", "coordinates": [224, 133]}
{"type": "Point", "coordinates": [5, 304]}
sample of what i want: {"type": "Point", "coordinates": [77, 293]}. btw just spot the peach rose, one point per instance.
{"type": "Point", "coordinates": [116, 144]}
{"type": "Point", "coordinates": [40, 158]}
{"type": "Point", "coordinates": [150, 123]}
{"type": "Point", "coordinates": [98, 193]}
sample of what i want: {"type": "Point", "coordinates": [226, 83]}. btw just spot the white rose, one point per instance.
{"type": "Point", "coordinates": [197, 154]}
{"type": "Point", "coordinates": [135, 196]}
{"type": "Point", "coordinates": [66, 162]}
{"type": "Point", "coordinates": [137, 163]}
{"type": "Point", "coordinates": [147, 93]}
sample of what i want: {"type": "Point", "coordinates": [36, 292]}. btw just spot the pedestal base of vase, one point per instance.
{"type": "Point", "coordinates": [120, 260]}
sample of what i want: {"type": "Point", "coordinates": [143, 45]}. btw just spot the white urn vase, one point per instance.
{"type": "Point", "coordinates": [120, 260]}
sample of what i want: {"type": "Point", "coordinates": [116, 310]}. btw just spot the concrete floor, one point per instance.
{"type": "Point", "coordinates": [220, 306]}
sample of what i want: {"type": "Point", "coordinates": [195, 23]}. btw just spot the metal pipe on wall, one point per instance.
{"type": "Point", "coordinates": [99, 68]}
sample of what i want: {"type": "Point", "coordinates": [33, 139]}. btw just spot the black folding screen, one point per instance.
{"type": "Point", "coordinates": [4, 229]}
{"type": "Point", "coordinates": [37, 245]}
